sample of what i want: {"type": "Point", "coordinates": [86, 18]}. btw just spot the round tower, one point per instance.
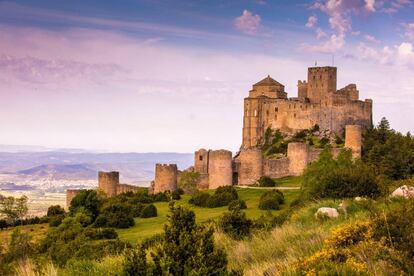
{"type": "Point", "coordinates": [298, 154]}
{"type": "Point", "coordinates": [353, 139]}
{"type": "Point", "coordinates": [220, 168]}
{"type": "Point", "coordinates": [108, 182]}
{"type": "Point", "coordinates": [251, 166]}
{"type": "Point", "coordinates": [165, 178]}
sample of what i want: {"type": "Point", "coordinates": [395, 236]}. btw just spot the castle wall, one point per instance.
{"type": "Point", "coordinates": [353, 139]}
{"type": "Point", "coordinates": [220, 168]}
{"type": "Point", "coordinates": [298, 157]}
{"type": "Point", "coordinates": [203, 181]}
{"type": "Point", "coordinates": [108, 182]}
{"type": "Point", "coordinates": [165, 178]}
{"type": "Point", "coordinates": [70, 194]}
{"type": "Point", "coordinates": [321, 82]}
{"type": "Point", "coordinates": [250, 166]}
{"type": "Point", "coordinates": [124, 188]}
{"type": "Point", "coordinates": [276, 168]}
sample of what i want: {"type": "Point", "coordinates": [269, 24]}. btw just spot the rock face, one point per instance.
{"type": "Point", "coordinates": [403, 191]}
{"type": "Point", "coordinates": [330, 212]}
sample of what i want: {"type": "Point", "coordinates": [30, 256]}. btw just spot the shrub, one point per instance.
{"type": "Point", "coordinates": [266, 181]}
{"type": "Point", "coordinates": [118, 215]}
{"type": "Point", "coordinates": [237, 204]}
{"type": "Point", "coordinates": [199, 199]}
{"type": "Point", "coordinates": [271, 200]}
{"type": "Point", "coordinates": [161, 197]}
{"type": "Point", "coordinates": [180, 191]}
{"type": "Point", "coordinates": [175, 195]}
{"type": "Point", "coordinates": [149, 211]}
{"type": "Point", "coordinates": [56, 220]}
{"type": "Point", "coordinates": [339, 178]}
{"type": "Point", "coordinates": [137, 209]}
{"type": "Point", "coordinates": [101, 233]}
{"type": "Point", "coordinates": [55, 210]}
{"type": "Point", "coordinates": [235, 224]}
{"type": "Point", "coordinates": [221, 197]}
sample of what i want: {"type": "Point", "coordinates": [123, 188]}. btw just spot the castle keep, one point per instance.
{"type": "Point", "coordinates": [318, 102]}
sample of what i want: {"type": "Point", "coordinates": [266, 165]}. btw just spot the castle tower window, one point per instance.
{"type": "Point", "coordinates": [276, 109]}
{"type": "Point", "coordinates": [294, 115]}
{"type": "Point", "coordinates": [255, 113]}
{"type": "Point", "coordinates": [200, 158]}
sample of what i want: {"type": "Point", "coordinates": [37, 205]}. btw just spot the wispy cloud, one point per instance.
{"type": "Point", "coordinates": [248, 23]}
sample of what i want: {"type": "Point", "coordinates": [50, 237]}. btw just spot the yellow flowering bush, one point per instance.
{"type": "Point", "coordinates": [352, 250]}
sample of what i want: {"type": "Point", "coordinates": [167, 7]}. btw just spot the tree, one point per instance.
{"type": "Point", "coordinates": [90, 200]}
{"type": "Point", "coordinates": [14, 208]}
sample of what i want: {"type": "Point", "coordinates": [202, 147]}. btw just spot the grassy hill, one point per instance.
{"type": "Point", "coordinates": [147, 227]}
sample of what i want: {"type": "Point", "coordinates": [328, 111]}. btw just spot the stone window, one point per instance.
{"type": "Point", "coordinates": [276, 109]}
{"type": "Point", "coordinates": [255, 113]}
{"type": "Point", "coordinates": [294, 115]}
{"type": "Point", "coordinates": [200, 158]}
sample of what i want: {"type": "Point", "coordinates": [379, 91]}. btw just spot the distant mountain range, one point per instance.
{"type": "Point", "coordinates": [79, 164]}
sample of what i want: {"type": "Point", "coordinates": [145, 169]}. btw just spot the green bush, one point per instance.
{"type": "Point", "coordinates": [137, 209]}
{"type": "Point", "coordinates": [89, 200]}
{"type": "Point", "coordinates": [149, 211]}
{"type": "Point", "coordinates": [271, 200]}
{"type": "Point", "coordinates": [339, 178]}
{"type": "Point", "coordinates": [235, 224]}
{"type": "Point", "coordinates": [199, 199]}
{"type": "Point", "coordinates": [55, 220]}
{"type": "Point", "coordinates": [221, 197]}
{"type": "Point", "coordinates": [55, 210]}
{"type": "Point", "coordinates": [118, 215]}
{"type": "Point", "coordinates": [175, 195]}
{"type": "Point", "coordinates": [237, 204]}
{"type": "Point", "coordinates": [101, 233]}
{"type": "Point", "coordinates": [161, 197]}
{"type": "Point", "coordinates": [266, 181]}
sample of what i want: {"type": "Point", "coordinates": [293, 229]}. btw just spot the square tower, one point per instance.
{"type": "Point", "coordinates": [321, 82]}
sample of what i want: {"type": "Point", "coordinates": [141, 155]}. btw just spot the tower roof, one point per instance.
{"type": "Point", "coordinates": [268, 81]}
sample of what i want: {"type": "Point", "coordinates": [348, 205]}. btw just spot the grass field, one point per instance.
{"type": "Point", "coordinates": [145, 228]}
{"type": "Point", "coordinates": [36, 231]}
{"type": "Point", "coordinates": [289, 181]}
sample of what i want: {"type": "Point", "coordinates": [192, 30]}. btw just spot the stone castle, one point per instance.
{"type": "Point", "coordinates": [267, 106]}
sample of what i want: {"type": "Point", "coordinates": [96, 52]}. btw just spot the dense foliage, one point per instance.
{"type": "Point", "coordinates": [149, 211]}
{"type": "Point", "coordinates": [389, 152]}
{"type": "Point", "coordinates": [235, 224]}
{"type": "Point", "coordinates": [237, 204]}
{"type": "Point", "coordinates": [339, 178]}
{"type": "Point", "coordinates": [221, 197]}
{"type": "Point", "coordinates": [266, 181]}
{"type": "Point", "coordinates": [74, 239]}
{"type": "Point", "coordinates": [13, 209]}
{"type": "Point", "coordinates": [185, 249]}
{"type": "Point", "coordinates": [271, 200]}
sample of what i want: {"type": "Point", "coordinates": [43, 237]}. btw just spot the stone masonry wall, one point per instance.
{"type": "Point", "coordinates": [108, 182]}
{"type": "Point", "coordinates": [220, 168]}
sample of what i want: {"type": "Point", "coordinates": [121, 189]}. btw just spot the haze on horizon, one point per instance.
{"type": "Point", "coordinates": [170, 76]}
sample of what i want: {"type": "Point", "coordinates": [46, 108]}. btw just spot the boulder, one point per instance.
{"type": "Point", "coordinates": [403, 191]}
{"type": "Point", "coordinates": [330, 212]}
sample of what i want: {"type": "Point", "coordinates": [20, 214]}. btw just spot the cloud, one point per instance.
{"type": "Point", "coordinates": [312, 21]}
{"type": "Point", "coordinates": [409, 31]}
{"type": "Point", "coordinates": [247, 22]}
{"type": "Point", "coordinates": [394, 5]}
{"type": "Point", "coordinates": [332, 45]}
{"type": "Point", "coordinates": [398, 55]}
{"type": "Point", "coordinates": [371, 39]}
{"type": "Point", "coordinates": [320, 34]}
